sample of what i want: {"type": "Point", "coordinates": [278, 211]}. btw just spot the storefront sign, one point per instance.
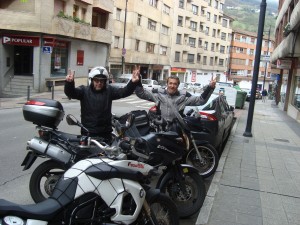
{"type": "Point", "coordinates": [175, 69]}
{"type": "Point", "coordinates": [21, 40]}
{"type": "Point", "coordinates": [284, 64]}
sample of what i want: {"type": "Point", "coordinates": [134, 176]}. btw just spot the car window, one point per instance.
{"type": "Point", "coordinates": [155, 82]}
{"type": "Point", "coordinates": [210, 105]}
{"type": "Point", "coordinates": [226, 106]}
{"type": "Point", "coordinates": [146, 81]}
{"type": "Point", "coordinates": [121, 80]}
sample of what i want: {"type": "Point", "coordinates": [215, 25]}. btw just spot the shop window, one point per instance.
{"type": "Point", "coordinates": [23, 59]}
{"type": "Point", "coordinates": [59, 59]}
{"type": "Point", "coordinates": [296, 95]}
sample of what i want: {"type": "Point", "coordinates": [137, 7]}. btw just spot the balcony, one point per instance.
{"type": "Point", "coordinates": [82, 31]}
{"type": "Point", "coordinates": [62, 26]}
{"type": "Point", "coordinates": [101, 35]}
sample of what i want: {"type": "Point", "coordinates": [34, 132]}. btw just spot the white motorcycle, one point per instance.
{"type": "Point", "coordinates": [98, 191]}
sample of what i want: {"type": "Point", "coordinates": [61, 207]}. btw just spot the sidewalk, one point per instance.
{"type": "Point", "coordinates": [7, 103]}
{"type": "Point", "coordinates": [258, 178]}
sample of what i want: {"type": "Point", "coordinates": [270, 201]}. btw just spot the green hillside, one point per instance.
{"type": "Point", "coordinates": [246, 14]}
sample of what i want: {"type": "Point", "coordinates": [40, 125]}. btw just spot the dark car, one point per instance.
{"type": "Point", "coordinates": [217, 119]}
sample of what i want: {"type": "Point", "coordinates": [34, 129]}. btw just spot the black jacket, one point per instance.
{"type": "Point", "coordinates": [96, 105]}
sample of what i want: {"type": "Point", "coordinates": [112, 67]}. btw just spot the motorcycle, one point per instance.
{"type": "Point", "coordinates": [199, 153]}
{"type": "Point", "coordinates": [61, 149]}
{"type": "Point", "coordinates": [181, 182]}
{"type": "Point", "coordinates": [98, 191]}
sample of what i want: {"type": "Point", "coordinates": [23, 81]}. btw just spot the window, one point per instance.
{"type": "Point", "coordinates": [216, 4]}
{"type": "Point", "coordinates": [150, 47]}
{"type": "Point", "coordinates": [214, 33]}
{"type": "Point", "coordinates": [178, 39]}
{"type": "Point", "coordinates": [243, 39]}
{"type": "Point", "coordinates": [208, 16]}
{"type": "Point", "coordinates": [59, 59]}
{"type": "Point", "coordinates": [252, 41]}
{"type": "Point", "coordinates": [192, 42]}
{"type": "Point", "coordinates": [137, 45]}
{"type": "Point", "coordinates": [222, 49]}
{"type": "Point", "coordinates": [251, 51]}
{"type": "Point", "coordinates": [100, 19]}
{"type": "Point", "coordinates": [238, 61]}
{"type": "Point", "coordinates": [166, 9]}
{"type": "Point", "coordinates": [207, 31]}
{"type": "Point", "coordinates": [177, 56]}
{"type": "Point", "coordinates": [212, 47]}
{"type": "Point", "coordinates": [181, 4]}
{"type": "Point", "coordinates": [195, 9]}
{"type": "Point", "coordinates": [211, 61]}
{"type": "Point", "coordinates": [59, 6]}
{"type": "Point", "coordinates": [224, 22]}
{"type": "Point", "coordinates": [75, 10]}
{"type": "Point", "coordinates": [180, 21]}
{"type": "Point", "coordinates": [215, 18]}
{"type": "Point", "coordinates": [118, 14]}
{"type": "Point", "coordinates": [165, 30]}
{"type": "Point", "coordinates": [151, 24]}
{"type": "Point", "coordinates": [221, 62]}
{"type": "Point", "coordinates": [193, 25]}
{"type": "Point", "coordinates": [204, 60]}
{"type": "Point", "coordinates": [200, 43]}
{"type": "Point", "coordinates": [153, 3]}
{"type": "Point", "coordinates": [250, 62]}
{"type": "Point", "coordinates": [239, 50]}
{"type": "Point", "coordinates": [205, 45]}
{"type": "Point", "coordinates": [221, 6]}
{"type": "Point", "coordinates": [223, 36]}
{"type": "Point", "coordinates": [116, 42]}
{"type": "Point", "coordinates": [198, 58]}
{"type": "Point", "coordinates": [191, 58]}
{"type": "Point", "coordinates": [163, 50]}
{"type": "Point", "coordinates": [139, 18]}
{"type": "Point", "coordinates": [83, 14]}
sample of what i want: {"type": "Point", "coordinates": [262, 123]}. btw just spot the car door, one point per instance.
{"type": "Point", "coordinates": [228, 116]}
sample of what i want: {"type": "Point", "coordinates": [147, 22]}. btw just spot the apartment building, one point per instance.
{"type": "Point", "coordinates": [186, 38]}
{"type": "Point", "coordinates": [144, 40]}
{"type": "Point", "coordinates": [42, 39]}
{"type": "Point", "coordinates": [242, 55]}
{"type": "Point", "coordinates": [200, 42]}
{"type": "Point", "coordinates": [286, 56]}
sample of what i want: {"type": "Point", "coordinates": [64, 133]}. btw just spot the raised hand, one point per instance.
{"type": "Point", "coordinates": [135, 74]}
{"type": "Point", "coordinates": [70, 76]}
{"type": "Point", "coordinates": [213, 82]}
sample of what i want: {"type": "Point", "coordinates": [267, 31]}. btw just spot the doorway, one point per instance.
{"type": "Point", "coordinates": [23, 60]}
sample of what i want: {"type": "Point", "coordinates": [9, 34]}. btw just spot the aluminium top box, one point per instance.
{"type": "Point", "coordinates": [43, 112]}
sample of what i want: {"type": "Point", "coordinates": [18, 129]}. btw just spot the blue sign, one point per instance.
{"type": "Point", "coordinates": [47, 49]}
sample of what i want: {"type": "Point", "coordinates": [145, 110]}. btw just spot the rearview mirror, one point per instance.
{"type": "Point", "coordinates": [71, 120]}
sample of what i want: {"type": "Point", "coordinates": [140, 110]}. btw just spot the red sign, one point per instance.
{"type": "Point", "coordinates": [80, 57]}
{"type": "Point", "coordinates": [21, 40]}
{"type": "Point", "coordinates": [175, 69]}
{"type": "Point", "coordinates": [193, 76]}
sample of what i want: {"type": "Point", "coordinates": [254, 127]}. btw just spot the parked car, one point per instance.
{"type": "Point", "coordinates": [248, 93]}
{"type": "Point", "coordinates": [197, 86]}
{"type": "Point", "coordinates": [258, 95]}
{"type": "Point", "coordinates": [217, 119]}
{"type": "Point", "coordinates": [183, 86]}
{"type": "Point", "coordinates": [122, 81]}
{"type": "Point", "coordinates": [150, 84]}
{"type": "Point", "coordinates": [162, 83]}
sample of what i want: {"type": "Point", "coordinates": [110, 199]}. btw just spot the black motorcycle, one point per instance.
{"type": "Point", "coordinates": [181, 182]}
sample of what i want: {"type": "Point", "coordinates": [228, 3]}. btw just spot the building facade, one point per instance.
{"type": "Point", "coordinates": [42, 39]}
{"type": "Point", "coordinates": [186, 38]}
{"type": "Point", "coordinates": [286, 56]}
{"type": "Point", "coordinates": [242, 57]}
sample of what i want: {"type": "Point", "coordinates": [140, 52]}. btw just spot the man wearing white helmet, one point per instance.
{"type": "Point", "coordinates": [96, 100]}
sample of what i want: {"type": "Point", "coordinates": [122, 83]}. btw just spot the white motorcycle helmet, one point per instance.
{"type": "Point", "coordinates": [99, 72]}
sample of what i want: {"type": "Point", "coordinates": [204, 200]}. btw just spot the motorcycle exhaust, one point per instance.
{"type": "Point", "coordinates": [43, 147]}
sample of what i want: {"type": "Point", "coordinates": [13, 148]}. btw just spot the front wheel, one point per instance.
{"type": "Point", "coordinates": [209, 162]}
{"type": "Point", "coordinates": [188, 194]}
{"type": "Point", "coordinates": [44, 178]}
{"type": "Point", "coordinates": [163, 211]}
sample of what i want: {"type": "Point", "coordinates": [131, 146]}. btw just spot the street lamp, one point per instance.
{"type": "Point", "coordinates": [266, 63]}
{"type": "Point", "coordinates": [260, 31]}
{"type": "Point", "coordinates": [123, 49]}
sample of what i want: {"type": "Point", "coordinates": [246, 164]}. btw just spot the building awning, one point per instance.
{"type": "Point", "coordinates": [289, 47]}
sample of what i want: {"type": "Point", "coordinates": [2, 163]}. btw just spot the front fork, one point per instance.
{"type": "Point", "coordinates": [196, 148]}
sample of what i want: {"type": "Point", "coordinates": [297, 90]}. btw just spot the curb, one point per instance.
{"type": "Point", "coordinates": [205, 211]}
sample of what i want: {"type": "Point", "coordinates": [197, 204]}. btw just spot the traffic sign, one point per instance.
{"type": "Point", "coordinates": [265, 58]}
{"type": "Point", "coordinates": [47, 49]}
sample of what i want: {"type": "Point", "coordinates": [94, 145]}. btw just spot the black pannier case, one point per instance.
{"type": "Point", "coordinates": [43, 112]}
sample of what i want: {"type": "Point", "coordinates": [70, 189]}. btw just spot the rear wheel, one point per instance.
{"type": "Point", "coordinates": [210, 159]}
{"type": "Point", "coordinates": [43, 180]}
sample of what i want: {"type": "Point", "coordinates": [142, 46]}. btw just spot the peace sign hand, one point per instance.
{"type": "Point", "coordinates": [213, 82]}
{"type": "Point", "coordinates": [136, 74]}
{"type": "Point", "coordinates": [70, 76]}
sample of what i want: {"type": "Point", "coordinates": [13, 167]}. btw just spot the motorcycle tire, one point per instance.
{"type": "Point", "coordinates": [163, 212]}
{"type": "Point", "coordinates": [187, 203]}
{"type": "Point", "coordinates": [44, 178]}
{"type": "Point", "coordinates": [210, 159]}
